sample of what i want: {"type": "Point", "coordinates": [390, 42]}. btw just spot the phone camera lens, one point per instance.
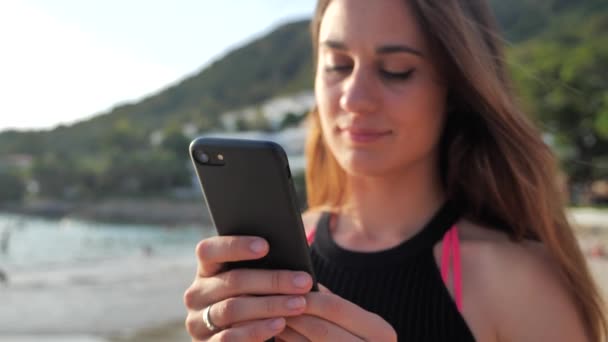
{"type": "Point", "coordinates": [202, 157]}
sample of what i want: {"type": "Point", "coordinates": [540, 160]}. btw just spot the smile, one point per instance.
{"type": "Point", "coordinates": [362, 135]}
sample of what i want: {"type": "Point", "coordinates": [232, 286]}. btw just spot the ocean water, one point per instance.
{"type": "Point", "coordinates": [64, 278]}
{"type": "Point", "coordinates": [31, 243]}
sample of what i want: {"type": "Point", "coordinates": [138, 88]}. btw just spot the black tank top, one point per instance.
{"type": "Point", "coordinates": [402, 284]}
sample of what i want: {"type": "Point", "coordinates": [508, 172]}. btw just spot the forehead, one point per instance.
{"type": "Point", "coordinates": [369, 23]}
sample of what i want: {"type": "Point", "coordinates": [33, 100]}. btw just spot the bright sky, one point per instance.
{"type": "Point", "coordinates": [65, 60]}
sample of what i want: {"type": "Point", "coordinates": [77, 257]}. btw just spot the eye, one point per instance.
{"type": "Point", "coordinates": [397, 76]}
{"type": "Point", "coordinates": [340, 69]}
{"type": "Point", "coordinates": [337, 63]}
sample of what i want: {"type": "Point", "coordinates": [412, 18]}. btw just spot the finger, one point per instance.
{"type": "Point", "coordinates": [348, 316]}
{"type": "Point", "coordinates": [196, 327]}
{"type": "Point", "coordinates": [319, 330]}
{"type": "Point", "coordinates": [290, 335]}
{"type": "Point", "coordinates": [214, 251]}
{"type": "Point", "coordinates": [258, 331]}
{"type": "Point", "coordinates": [239, 282]}
{"type": "Point", "coordinates": [233, 311]}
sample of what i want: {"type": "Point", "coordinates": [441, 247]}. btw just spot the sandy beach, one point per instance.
{"type": "Point", "coordinates": [591, 226]}
{"type": "Point", "coordinates": [140, 298]}
{"type": "Point", "coordinates": [113, 300]}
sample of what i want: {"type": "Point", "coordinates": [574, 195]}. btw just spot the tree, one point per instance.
{"type": "Point", "coordinates": [12, 185]}
{"type": "Point", "coordinates": [564, 81]}
{"type": "Point", "coordinates": [54, 175]}
{"type": "Point", "coordinates": [175, 140]}
{"type": "Point", "coordinates": [291, 119]}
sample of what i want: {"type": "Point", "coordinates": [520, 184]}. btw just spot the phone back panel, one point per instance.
{"type": "Point", "coordinates": [253, 194]}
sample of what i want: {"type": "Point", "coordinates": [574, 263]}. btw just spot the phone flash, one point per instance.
{"type": "Point", "coordinates": [220, 156]}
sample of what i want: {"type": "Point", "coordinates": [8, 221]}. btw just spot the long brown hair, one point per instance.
{"type": "Point", "coordinates": [493, 160]}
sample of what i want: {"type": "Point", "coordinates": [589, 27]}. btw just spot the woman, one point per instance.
{"type": "Point", "coordinates": [434, 212]}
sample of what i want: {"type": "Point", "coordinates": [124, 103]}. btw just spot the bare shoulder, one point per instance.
{"type": "Point", "coordinates": [310, 218]}
{"type": "Point", "coordinates": [524, 292]}
{"type": "Point", "coordinates": [492, 249]}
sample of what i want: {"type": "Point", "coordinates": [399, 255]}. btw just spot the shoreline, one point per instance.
{"type": "Point", "coordinates": [155, 211]}
{"type": "Point", "coordinates": [172, 212]}
{"type": "Point", "coordinates": [113, 300]}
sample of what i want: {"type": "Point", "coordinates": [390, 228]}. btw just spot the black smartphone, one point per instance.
{"type": "Point", "coordinates": [249, 190]}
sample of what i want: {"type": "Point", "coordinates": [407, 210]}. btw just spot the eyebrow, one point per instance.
{"type": "Point", "coordinates": [384, 49]}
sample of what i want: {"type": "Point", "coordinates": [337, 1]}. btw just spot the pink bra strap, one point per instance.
{"type": "Point", "coordinates": [445, 256]}
{"type": "Point", "coordinates": [451, 250]}
{"type": "Point", "coordinates": [310, 237]}
{"type": "Point", "coordinates": [457, 269]}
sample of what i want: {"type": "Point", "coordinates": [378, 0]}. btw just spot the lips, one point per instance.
{"type": "Point", "coordinates": [362, 134]}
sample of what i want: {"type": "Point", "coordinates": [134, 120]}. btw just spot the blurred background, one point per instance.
{"type": "Point", "coordinates": [100, 210]}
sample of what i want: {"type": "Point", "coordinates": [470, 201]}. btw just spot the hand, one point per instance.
{"type": "Point", "coordinates": [329, 317]}
{"type": "Point", "coordinates": [234, 296]}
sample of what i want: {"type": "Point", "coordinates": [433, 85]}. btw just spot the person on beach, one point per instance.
{"type": "Point", "coordinates": [5, 238]}
{"type": "Point", "coordinates": [434, 210]}
{"type": "Point", "coordinates": [3, 277]}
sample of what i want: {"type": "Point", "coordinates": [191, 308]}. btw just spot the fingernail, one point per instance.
{"type": "Point", "coordinates": [276, 323]}
{"type": "Point", "coordinates": [300, 280]}
{"type": "Point", "coordinates": [296, 303]}
{"type": "Point", "coordinates": [257, 246]}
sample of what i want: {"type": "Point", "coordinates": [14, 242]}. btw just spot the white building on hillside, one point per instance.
{"type": "Point", "coordinates": [273, 110]}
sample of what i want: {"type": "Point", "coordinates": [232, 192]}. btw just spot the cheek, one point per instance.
{"type": "Point", "coordinates": [327, 98]}
{"type": "Point", "coordinates": [327, 95]}
{"type": "Point", "coordinates": [419, 109]}
{"type": "Point", "coordinates": [417, 116]}
{"type": "Point", "coordinates": [328, 109]}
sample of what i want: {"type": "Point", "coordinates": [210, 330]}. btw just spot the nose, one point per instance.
{"type": "Point", "coordinates": [359, 93]}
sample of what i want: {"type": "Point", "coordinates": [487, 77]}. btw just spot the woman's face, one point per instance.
{"type": "Point", "coordinates": [381, 100]}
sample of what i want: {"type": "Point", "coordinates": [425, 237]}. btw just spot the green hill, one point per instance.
{"type": "Point", "coordinates": [525, 19]}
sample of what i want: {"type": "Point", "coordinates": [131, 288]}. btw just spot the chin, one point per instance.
{"type": "Point", "coordinates": [364, 164]}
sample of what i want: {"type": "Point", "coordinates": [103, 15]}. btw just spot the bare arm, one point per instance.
{"type": "Point", "coordinates": [531, 301]}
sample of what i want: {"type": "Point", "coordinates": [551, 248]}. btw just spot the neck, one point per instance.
{"type": "Point", "coordinates": [382, 212]}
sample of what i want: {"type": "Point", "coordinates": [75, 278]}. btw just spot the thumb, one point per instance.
{"type": "Point", "coordinates": [323, 289]}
